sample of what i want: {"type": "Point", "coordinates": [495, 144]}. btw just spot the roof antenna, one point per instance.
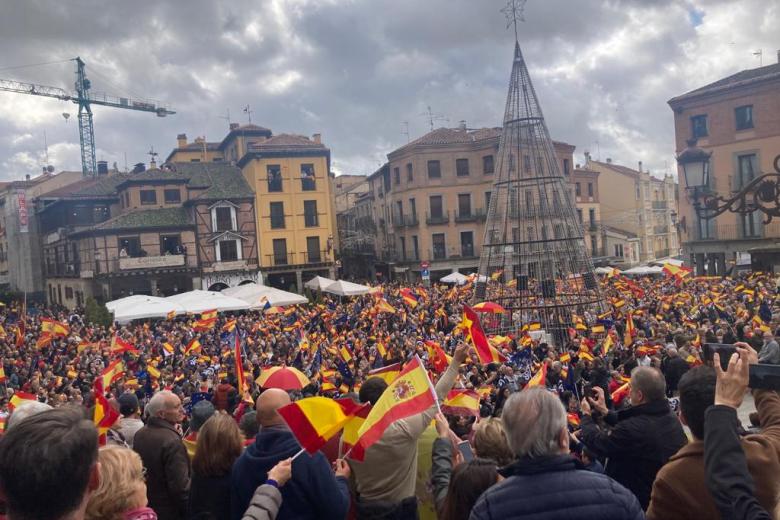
{"type": "Point", "coordinates": [405, 131]}
{"type": "Point", "coordinates": [152, 154]}
{"type": "Point", "coordinates": [760, 54]}
{"type": "Point", "coordinates": [432, 118]}
{"type": "Point", "coordinates": [514, 11]}
{"type": "Point", "coordinates": [248, 111]}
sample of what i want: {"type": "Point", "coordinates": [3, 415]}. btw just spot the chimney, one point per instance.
{"type": "Point", "coordinates": [234, 126]}
{"type": "Point", "coordinates": [152, 164]}
{"type": "Point", "coordinates": [609, 160]}
{"type": "Point", "coordinates": [199, 140]}
{"type": "Point", "coordinates": [317, 138]}
{"type": "Point", "coordinates": [587, 157]}
{"type": "Point", "coordinates": [462, 124]}
{"type": "Point", "coordinates": [102, 167]}
{"type": "Point", "coordinates": [27, 177]}
{"type": "Point", "coordinates": [640, 166]}
{"type": "Point", "coordinates": [181, 140]}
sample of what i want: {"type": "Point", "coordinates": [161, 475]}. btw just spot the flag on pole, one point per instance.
{"type": "Point", "coordinates": [243, 388]}
{"type": "Point", "coordinates": [436, 355]}
{"type": "Point", "coordinates": [111, 374]}
{"type": "Point", "coordinates": [474, 333]}
{"type": "Point", "coordinates": [192, 346]}
{"type": "Point", "coordinates": [118, 346]}
{"type": "Point", "coordinates": [20, 398]}
{"type": "Point", "coordinates": [53, 327]}
{"type": "Point", "coordinates": [461, 402]}
{"type": "Point", "coordinates": [170, 315]}
{"type": "Point", "coordinates": [539, 379]}
{"type": "Point", "coordinates": [314, 420]}
{"type": "Point", "coordinates": [388, 373]}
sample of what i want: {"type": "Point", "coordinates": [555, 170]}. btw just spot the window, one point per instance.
{"type": "Point", "coordinates": [594, 246]}
{"type": "Point", "coordinates": [277, 215]}
{"type": "Point", "coordinates": [434, 170]}
{"type": "Point", "coordinates": [464, 205]}
{"type": "Point", "coordinates": [413, 209]}
{"type": "Point", "coordinates": [462, 167]}
{"type": "Point", "coordinates": [130, 245]}
{"type": "Point", "coordinates": [399, 206]}
{"type": "Point", "coordinates": [699, 126]}
{"type": "Point", "coordinates": [566, 167]}
{"type": "Point", "coordinates": [638, 192]}
{"type": "Point", "coordinates": [224, 219]}
{"type": "Point", "coordinates": [437, 210]}
{"type": "Point", "coordinates": [280, 251]}
{"type": "Point", "coordinates": [402, 247]}
{"type": "Point", "coordinates": [748, 166]}
{"type": "Point", "coordinates": [577, 189]}
{"type": "Point", "coordinates": [82, 216]}
{"type": "Point", "coordinates": [172, 196]}
{"type": "Point", "coordinates": [397, 175]}
{"type": "Point", "coordinates": [100, 214]}
{"type": "Point", "coordinates": [415, 248]}
{"type": "Point", "coordinates": [308, 181]}
{"type": "Point", "coordinates": [148, 197]}
{"type": "Point", "coordinates": [274, 172]}
{"type": "Point", "coordinates": [705, 229]}
{"type": "Point", "coordinates": [527, 163]}
{"type": "Point", "coordinates": [592, 216]}
{"type": "Point", "coordinates": [228, 250]}
{"type": "Point", "coordinates": [127, 200]}
{"type": "Point", "coordinates": [487, 165]}
{"type": "Point", "coordinates": [310, 217]}
{"type": "Point", "coordinates": [409, 172]}
{"type": "Point", "coordinates": [744, 117]}
{"type": "Point", "coordinates": [467, 243]}
{"type": "Point", "coordinates": [313, 253]}
{"type": "Point", "coordinates": [68, 293]}
{"type": "Point", "coordinates": [439, 248]}
{"type": "Point", "coordinates": [170, 245]}
{"type": "Point", "coordinates": [590, 189]}
{"type": "Point", "coordinates": [579, 215]}
{"type": "Point", "coordinates": [619, 250]}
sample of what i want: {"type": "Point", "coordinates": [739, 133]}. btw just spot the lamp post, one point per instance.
{"type": "Point", "coordinates": [759, 194]}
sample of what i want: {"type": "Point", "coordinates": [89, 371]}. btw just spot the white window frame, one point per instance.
{"type": "Point", "coordinates": [233, 221]}
{"type": "Point", "coordinates": [218, 252]}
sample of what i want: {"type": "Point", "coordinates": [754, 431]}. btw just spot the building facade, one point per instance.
{"type": "Point", "coordinates": [641, 205]}
{"type": "Point", "coordinates": [161, 231]}
{"type": "Point", "coordinates": [737, 118]}
{"type": "Point", "coordinates": [431, 200]}
{"type": "Point", "coordinates": [586, 201]}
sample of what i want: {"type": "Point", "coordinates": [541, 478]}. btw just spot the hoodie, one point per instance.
{"type": "Point", "coordinates": [312, 492]}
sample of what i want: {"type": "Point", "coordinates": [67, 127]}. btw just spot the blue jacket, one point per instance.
{"type": "Point", "coordinates": [313, 492]}
{"type": "Point", "coordinates": [555, 488]}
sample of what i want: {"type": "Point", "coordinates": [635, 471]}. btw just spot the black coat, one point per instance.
{"type": "Point", "coordinates": [167, 468]}
{"type": "Point", "coordinates": [642, 440]}
{"type": "Point", "coordinates": [674, 368]}
{"type": "Point", "coordinates": [210, 496]}
{"type": "Point", "coordinates": [555, 488]}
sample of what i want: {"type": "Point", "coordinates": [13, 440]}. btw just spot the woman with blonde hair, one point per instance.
{"type": "Point", "coordinates": [121, 494]}
{"type": "Point", "coordinates": [490, 441]}
{"type": "Point", "coordinates": [219, 445]}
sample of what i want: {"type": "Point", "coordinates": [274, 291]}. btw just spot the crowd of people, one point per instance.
{"type": "Point", "coordinates": [621, 417]}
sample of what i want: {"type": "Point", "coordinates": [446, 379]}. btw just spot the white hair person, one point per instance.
{"type": "Point", "coordinates": [535, 424]}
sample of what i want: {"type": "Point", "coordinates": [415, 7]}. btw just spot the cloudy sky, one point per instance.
{"type": "Point", "coordinates": [355, 70]}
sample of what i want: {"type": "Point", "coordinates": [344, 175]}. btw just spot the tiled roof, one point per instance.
{"type": "Point", "coordinates": [444, 136]}
{"type": "Point", "coordinates": [101, 186]}
{"type": "Point", "coordinates": [286, 142]}
{"type": "Point", "coordinates": [625, 170]}
{"type": "Point", "coordinates": [745, 77]}
{"type": "Point", "coordinates": [147, 218]}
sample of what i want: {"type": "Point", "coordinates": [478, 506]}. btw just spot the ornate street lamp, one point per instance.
{"type": "Point", "coordinates": [760, 194]}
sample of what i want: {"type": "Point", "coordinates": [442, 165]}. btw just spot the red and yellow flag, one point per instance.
{"type": "Point", "coordinates": [105, 415]}
{"type": "Point", "coordinates": [314, 420]}
{"type": "Point", "coordinates": [111, 374]}
{"type": "Point", "coordinates": [411, 393]}
{"type": "Point", "coordinates": [539, 378]}
{"type": "Point", "coordinates": [3, 379]}
{"type": "Point", "coordinates": [229, 326]}
{"type": "Point", "coordinates": [461, 402]}
{"type": "Point", "coordinates": [383, 306]}
{"type": "Point", "coordinates": [192, 347]}
{"type": "Point", "coordinates": [474, 333]}
{"type": "Point", "coordinates": [20, 398]}
{"type": "Point", "coordinates": [209, 315]}
{"type": "Point", "coordinates": [53, 327]}
{"type": "Point", "coordinates": [204, 325]}
{"type": "Point", "coordinates": [153, 372]}
{"type": "Point", "coordinates": [437, 356]}
{"type": "Point", "coordinates": [118, 346]}
{"type": "Point", "coordinates": [409, 298]}
{"type": "Point", "coordinates": [43, 340]}
{"type": "Point", "coordinates": [388, 373]}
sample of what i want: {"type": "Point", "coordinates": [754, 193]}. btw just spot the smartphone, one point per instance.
{"type": "Point", "coordinates": [465, 449]}
{"type": "Point", "coordinates": [766, 377]}
{"type": "Point", "coordinates": [724, 351]}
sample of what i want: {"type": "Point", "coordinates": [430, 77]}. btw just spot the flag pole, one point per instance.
{"type": "Point", "coordinates": [303, 450]}
{"type": "Point", "coordinates": [430, 385]}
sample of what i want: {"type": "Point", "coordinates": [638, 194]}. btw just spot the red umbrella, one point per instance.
{"type": "Point", "coordinates": [286, 378]}
{"type": "Point", "coordinates": [489, 307]}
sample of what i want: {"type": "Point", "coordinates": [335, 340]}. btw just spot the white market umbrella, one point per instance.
{"type": "Point", "coordinates": [456, 278]}
{"type": "Point", "coordinates": [141, 307]}
{"type": "Point", "coordinates": [670, 260]}
{"type": "Point", "coordinates": [198, 301]}
{"type": "Point", "coordinates": [318, 283]}
{"type": "Point", "coordinates": [342, 288]}
{"type": "Point", "coordinates": [256, 295]}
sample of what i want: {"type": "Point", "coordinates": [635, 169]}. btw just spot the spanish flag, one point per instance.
{"type": "Point", "coordinates": [597, 329]}
{"type": "Point", "coordinates": [349, 435]}
{"type": "Point", "coordinates": [105, 415]}
{"type": "Point", "coordinates": [437, 356]}
{"type": "Point", "coordinates": [474, 333]}
{"type": "Point", "coordinates": [167, 349]}
{"type": "Point", "coordinates": [20, 398]}
{"type": "Point", "coordinates": [118, 346]}
{"type": "Point", "coordinates": [621, 393]}
{"type": "Point", "coordinates": [607, 345]}
{"type": "Point", "coordinates": [2, 373]}
{"type": "Point", "coordinates": [380, 347]}
{"type": "Point", "coordinates": [170, 315]}
{"type": "Point", "coordinates": [534, 326]}
{"type": "Point", "coordinates": [388, 373]}
{"type": "Point", "coordinates": [314, 420]}
{"type": "Point", "coordinates": [461, 402]}
{"type": "Point", "coordinates": [55, 328]}
{"type": "Point", "coordinates": [82, 346]}
{"type": "Point", "coordinates": [19, 336]}
{"type": "Point", "coordinates": [43, 340]}
{"type": "Point", "coordinates": [565, 358]}
{"type": "Point", "coordinates": [584, 354]}
{"type": "Point", "coordinates": [495, 276]}
{"type": "Point", "coordinates": [204, 325]}
{"type": "Point", "coordinates": [153, 372]}
{"type": "Point", "coordinates": [243, 388]}
{"type": "Point", "coordinates": [383, 306]}
{"type": "Point", "coordinates": [111, 374]}
{"type": "Point", "coordinates": [628, 337]}
{"type": "Point", "coordinates": [229, 325]}
{"type": "Point", "coordinates": [408, 297]}
{"type": "Point", "coordinates": [411, 393]}
{"type": "Point", "coordinates": [539, 378]}
{"type": "Point", "coordinates": [209, 315]}
{"type": "Point", "coordinates": [192, 346]}
{"type": "Point", "coordinates": [345, 354]}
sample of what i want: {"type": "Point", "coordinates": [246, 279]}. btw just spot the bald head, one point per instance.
{"type": "Point", "coordinates": [267, 404]}
{"type": "Point", "coordinates": [647, 384]}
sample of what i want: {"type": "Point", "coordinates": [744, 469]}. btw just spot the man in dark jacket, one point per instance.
{"type": "Point", "coordinates": [546, 482]}
{"type": "Point", "coordinates": [313, 492]}
{"type": "Point", "coordinates": [643, 438]}
{"type": "Point", "coordinates": [164, 456]}
{"type": "Point", "coordinates": [673, 367]}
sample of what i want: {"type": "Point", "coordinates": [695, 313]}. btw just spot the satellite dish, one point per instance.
{"type": "Point", "coordinates": [50, 168]}
{"type": "Point", "coordinates": [66, 116]}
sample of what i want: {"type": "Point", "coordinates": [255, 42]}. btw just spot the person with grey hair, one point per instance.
{"type": "Point", "coordinates": [637, 440]}
{"type": "Point", "coordinates": [546, 481]}
{"type": "Point", "coordinates": [164, 456]}
{"type": "Point", "coordinates": [24, 410]}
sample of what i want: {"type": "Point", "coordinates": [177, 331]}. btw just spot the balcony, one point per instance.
{"type": "Point", "coordinates": [663, 229]}
{"type": "Point", "coordinates": [470, 216]}
{"type": "Point", "coordinates": [234, 265]}
{"type": "Point", "coordinates": [150, 262]}
{"type": "Point", "coordinates": [464, 252]}
{"type": "Point", "coordinates": [734, 232]}
{"type": "Point", "coordinates": [442, 218]}
{"type": "Point", "coordinates": [660, 204]}
{"type": "Point", "coordinates": [405, 221]}
{"type": "Point", "coordinates": [281, 259]}
{"type": "Point", "coordinates": [315, 257]}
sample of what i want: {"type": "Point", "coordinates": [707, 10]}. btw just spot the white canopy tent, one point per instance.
{"type": "Point", "coordinates": [342, 288]}
{"type": "Point", "coordinates": [479, 277]}
{"type": "Point", "coordinates": [198, 301]}
{"type": "Point", "coordinates": [456, 278]}
{"type": "Point", "coordinates": [670, 260]}
{"type": "Point", "coordinates": [318, 283]}
{"type": "Point", "coordinates": [140, 306]}
{"type": "Point", "coordinates": [256, 295]}
{"type": "Point", "coordinates": [606, 270]}
{"type": "Point", "coordinates": [643, 270]}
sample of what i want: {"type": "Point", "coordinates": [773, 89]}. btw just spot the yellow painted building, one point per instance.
{"type": "Point", "coordinates": [290, 176]}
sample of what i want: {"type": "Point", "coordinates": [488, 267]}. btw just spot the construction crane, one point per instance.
{"type": "Point", "coordinates": [84, 99]}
